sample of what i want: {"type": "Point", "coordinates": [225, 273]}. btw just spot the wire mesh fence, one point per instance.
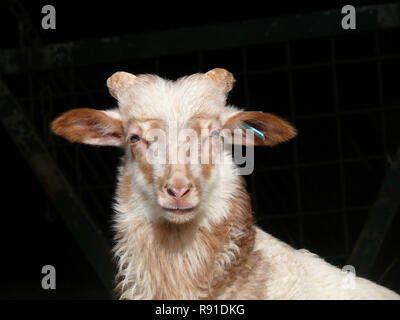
{"type": "Point", "coordinates": [313, 192]}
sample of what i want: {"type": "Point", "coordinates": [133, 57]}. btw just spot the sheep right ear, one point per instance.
{"type": "Point", "coordinates": [90, 126]}
{"type": "Point", "coordinates": [222, 78]}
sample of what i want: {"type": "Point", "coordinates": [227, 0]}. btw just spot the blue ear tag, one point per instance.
{"type": "Point", "coordinates": [255, 131]}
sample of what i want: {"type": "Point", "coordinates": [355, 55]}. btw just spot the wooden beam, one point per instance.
{"type": "Point", "coordinates": [186, 40]}
{"type": "Point", "coordinates": [379, 220]}
{"type": "Point", "coordinates": [88, 235]}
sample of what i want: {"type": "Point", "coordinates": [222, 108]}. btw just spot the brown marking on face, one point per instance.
{"type": "Point", "coordinates": [124, 188]}
{"type": "Point", "coordinates": [145, 167]}
{"type": "Point", "coordinates": [207, 167]}
{"type": "Point", "coordinates": [140, 155]}
{"type": "Point", "coordinates": [155, 124]}
{"type": "Point", "coordinates": [197, 124]}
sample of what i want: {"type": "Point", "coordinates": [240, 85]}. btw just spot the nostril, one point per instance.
{"type": "Point", "coordinates": [178, 192]}
{"type": "Point", "coordinates": [171, 191]}
{"type": "Point", "coordinates": [185, 192]}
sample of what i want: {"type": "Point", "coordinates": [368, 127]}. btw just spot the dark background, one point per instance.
{"type": "Point", "coordinates": [315, 192]}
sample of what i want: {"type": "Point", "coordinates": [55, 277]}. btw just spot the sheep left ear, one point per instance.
{"type": "Point", "coordinates": [267, 129]}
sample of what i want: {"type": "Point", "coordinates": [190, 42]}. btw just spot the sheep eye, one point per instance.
{"type": "Point", "coordinates": [215, 134]}
{"type": "Point", "coordinates": [134, 138]}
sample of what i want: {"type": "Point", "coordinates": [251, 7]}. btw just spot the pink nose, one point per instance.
{"type": "Point", "coordinates": [178, 192]}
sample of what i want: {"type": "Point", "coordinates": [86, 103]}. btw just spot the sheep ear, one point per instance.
{"type": "Point", "coordinates": [223, 78]}
{"type": "Point", "coordinates": [120, 82]}
{"type": "Point", "coordinates": [267, 129]}
{"type": "Point", "coordinates": [90, 126]}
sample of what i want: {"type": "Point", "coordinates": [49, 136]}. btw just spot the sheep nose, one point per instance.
{"type": "Point", "coordinates": [178, 192]}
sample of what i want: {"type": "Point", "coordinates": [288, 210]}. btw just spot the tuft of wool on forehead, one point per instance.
{"type": "Point", "coordinates": [152, 97]}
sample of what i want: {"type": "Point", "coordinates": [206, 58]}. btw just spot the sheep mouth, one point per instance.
{"type": "Point", "coordinates": [178, 210]}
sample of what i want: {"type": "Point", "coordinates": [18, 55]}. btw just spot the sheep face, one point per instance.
{"type": "Point", "coordinates": [173, 134]}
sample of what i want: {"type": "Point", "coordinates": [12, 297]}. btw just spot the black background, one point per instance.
{"type": "Point", "coordinates": [32, 234]}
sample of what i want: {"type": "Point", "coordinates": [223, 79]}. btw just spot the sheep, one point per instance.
{"type": "Point", "coordinates": [185, 230]}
